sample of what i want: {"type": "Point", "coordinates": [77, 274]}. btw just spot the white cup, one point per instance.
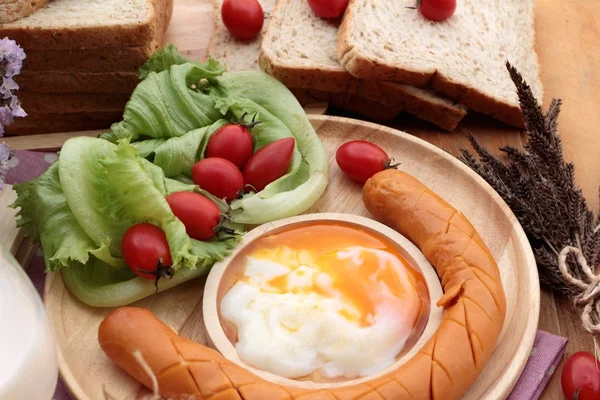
{"type": "Point", "coordinates": [28, 364]}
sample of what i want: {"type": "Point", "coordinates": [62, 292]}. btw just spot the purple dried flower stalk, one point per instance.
{"type": "Point", "coordinates": [11, 62]}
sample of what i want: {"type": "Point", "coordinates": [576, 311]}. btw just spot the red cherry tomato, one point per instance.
{"type": "Point", "coordinates": [219, 177]}
{"type": "Point", "coordinates": [269, 163]}
{"type": "Point", "coordinates": [360, 160]}
{"type": "Point", "coordinates": [243, 18]}
{"type": "Point", "coordinates": [328, 8]}
{"type": "Point", "coordinates": [580, 378]}
{"type": "Point", "coordinates": [146, 251]}
{"type": "Point", "coordinates": [232, 142]}
{"type": "Point", "coordinates": [199, 215]}
{"type": "Point", "coordinates": [437, 10]}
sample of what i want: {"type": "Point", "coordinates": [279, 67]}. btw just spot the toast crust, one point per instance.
{"type": "Point", "coordinates": [373, 68]}
{"type": "Point", "coordinates": [94, 37]}
{"type": "Point", "coordinates": [443, 114]}
{"type": "Point", "coordinates": [74, 82]}
{"type": "Point", "coordinates": [425, 105]}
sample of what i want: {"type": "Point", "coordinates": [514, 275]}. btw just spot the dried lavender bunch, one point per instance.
{"type": "Point", "coordinates": [539, 186]}
{"type": "Point", "coordinates": [11, 62]}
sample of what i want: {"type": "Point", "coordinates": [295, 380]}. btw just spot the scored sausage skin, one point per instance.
{"type": "Point", "coordinates": [443, 369]}
{"type": "Point", "coordinates": [474, 302]}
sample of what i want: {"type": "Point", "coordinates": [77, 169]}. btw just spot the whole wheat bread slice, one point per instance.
{"type": "Point", "coordinates": [61, 103]}
{"type": "Point", "coordinates": [13, 10]}
{"type": "Point", "coordinates": [33, 127]}
{"type": "Point", "coordinates": [463, 58]}
{"type": "Point", "coordinates": [88, 24]}
{"type": "Point", "coordinates": [77, 82]}
{"type": "Point", "coordinates": [299, 49]}
{"type": "Point", "coordinates": [243, 56]}
{"type": "Point", "coordinates": [115, 59]}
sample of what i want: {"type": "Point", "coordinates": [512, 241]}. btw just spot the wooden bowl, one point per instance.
{"type": "Point", "coordinates": [217, 284]}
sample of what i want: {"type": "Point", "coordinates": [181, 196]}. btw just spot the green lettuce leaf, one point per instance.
{"type": "Point", "coordinates": [46, 217]}
{"type": "Point", "coordinates": [164, 58]}
{"type": "Point", "coordinates": [178, 155]}
{"type": "Point", "coordinates": [168, 120]}
{"type": "Point", "coordinates": [166, 105]}
{"type": "Point", "coordinates": [109, 189]}
{"type": "Point", "coordinates": [308, 177]}
{"type": "Point", "coordinates": [99, 285]}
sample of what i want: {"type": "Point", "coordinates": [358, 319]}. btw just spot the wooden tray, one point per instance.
{"type": "Point", "coordinates": [89, 374]}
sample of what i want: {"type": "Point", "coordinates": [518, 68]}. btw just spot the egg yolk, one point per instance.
{"type": "Point", "coordinates": [319, 295]}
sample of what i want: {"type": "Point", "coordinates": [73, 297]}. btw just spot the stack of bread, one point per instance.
{"type": "Point", "coordinates": [82, 59]}
{"type": "Point", "coordinates": [384, 57]}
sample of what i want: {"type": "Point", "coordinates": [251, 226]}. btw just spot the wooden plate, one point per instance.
{"type": "Point", "coordinates": [89, 374]}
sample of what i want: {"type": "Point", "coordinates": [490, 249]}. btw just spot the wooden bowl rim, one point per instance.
{"type": "Point", "coordinates": [216, 336]}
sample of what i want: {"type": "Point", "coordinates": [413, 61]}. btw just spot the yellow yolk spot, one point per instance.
{"type": "Point", "coordinates": [326, 299]}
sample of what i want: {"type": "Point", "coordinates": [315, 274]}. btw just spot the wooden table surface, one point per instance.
{"type": "Point", "coordinates": [568, 46]}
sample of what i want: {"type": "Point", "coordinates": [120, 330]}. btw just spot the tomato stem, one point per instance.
{"type": "Point", "coordinates": [220, 228]}
{"type": "Point", "coordinates": [161, 271]}
{"type": "Point", "coordinates": [389, 164]}
{"type": "Point", "coordinates": [253, 189]}
{"type": "Point", "coordinates": [416, 6]}
{"type": "Point", "coordinates": [250, 125]}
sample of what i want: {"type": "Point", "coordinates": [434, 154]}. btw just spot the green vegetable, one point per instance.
{"type": "Point", "coordinates": [180, 104]}
{"type": "Point", "coordinates": [82, 205]}
{"type": "Point", "coordinates": [80, 208]}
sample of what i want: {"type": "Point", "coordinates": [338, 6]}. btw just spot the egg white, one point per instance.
{"type": "Point", "coordinates": [301, 331]}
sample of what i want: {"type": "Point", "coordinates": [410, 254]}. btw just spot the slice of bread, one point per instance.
{"type": "Point", "coordinates": [88, 24]}
{"type": "Point", "coordinates": [299, 49]}
{"type": "Point", "coordinates": [34, 127]}
{"type": "Point", "coordinates": [241, 55]}
{"type": "Point", "coordinates": [77, 82]}
{"type": "Point", "coordinates": [463, 57]}
{"type": "Point", "coordinates": [115, 59]}
{"type": "Point", "coordinates": [61, 103]}
{"type": "Point", "coordinates": [347, 101]}
{"type": "Point", "coordinates": [76, 116]}
{"type": "Point", "coordinates": [13, 10]}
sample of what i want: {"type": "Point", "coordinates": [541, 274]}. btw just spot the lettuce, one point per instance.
{"type": "Point", "coordinates": [82, 205]}
{"type": "Point", "coordinates": [80, 208]}
{"type": "Point", "coordinates": [180, 104]}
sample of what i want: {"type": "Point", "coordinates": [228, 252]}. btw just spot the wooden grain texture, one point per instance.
{"type": "Point", "coordinates": [87, 371]}
{"type": "Point", "coordinates": [220, 275]}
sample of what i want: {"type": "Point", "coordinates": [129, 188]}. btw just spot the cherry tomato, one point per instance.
{"type": "Point", "coordinates": [219, 177]}
{"type": "Point", "coordinates": [328, 8]}
{"type": "Point", "coordinates": [437, 10]}
{"type": "Point", "coordinates": [269, 163]}
{"type": "Point", "coordinates": [199, 215]}
{"type": "Point", "coordinates": [232, 142]}
{"type": "Point", "coordinates": [146, 251]}
{"type": "Point", "coordinates": [243, 18]}
{"type": "Point", "coordinates": [580, 378]}
{"type": "Point", "coordinates": [360, 160]}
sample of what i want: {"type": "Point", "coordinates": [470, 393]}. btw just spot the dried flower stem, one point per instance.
{"type": "Point", "coordinates": [539, 186]}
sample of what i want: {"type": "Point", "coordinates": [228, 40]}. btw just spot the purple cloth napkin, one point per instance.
{"type": "Point", "coordinates": [546, 353]}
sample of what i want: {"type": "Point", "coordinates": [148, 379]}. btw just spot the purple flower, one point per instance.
{"type": "Point", "coordinates": [4, 157]}
{"type": "Point", "coordinates": [11, 57]}
{"type": "Point", "coordinates": [11, 62]}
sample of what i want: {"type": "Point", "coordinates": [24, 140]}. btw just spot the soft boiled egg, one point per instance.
{"type": "Point", "coordinates": [323, 301]}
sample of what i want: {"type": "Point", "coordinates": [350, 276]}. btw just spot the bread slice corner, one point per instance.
{"type": "Point", "coordinates": [14, 10]}
{"type": "Point", "coordinates": [90, 24]}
